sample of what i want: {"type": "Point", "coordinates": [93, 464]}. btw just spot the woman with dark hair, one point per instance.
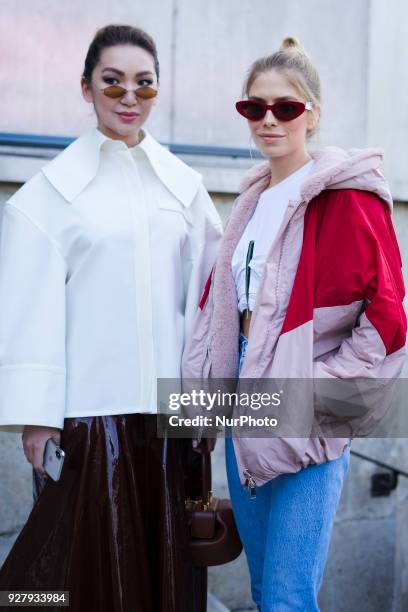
{"type": "Point", "coordinates": [102, 262]}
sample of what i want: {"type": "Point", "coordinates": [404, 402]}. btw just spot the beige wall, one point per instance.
{"type": "Point", "coordinates": [205, 47]}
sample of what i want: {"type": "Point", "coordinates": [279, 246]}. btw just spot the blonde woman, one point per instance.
{"type": "Point", "coordinates": [307, 285]}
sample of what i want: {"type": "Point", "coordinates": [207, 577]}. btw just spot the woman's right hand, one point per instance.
{"type": "Point", "coordinates": [34, 440]}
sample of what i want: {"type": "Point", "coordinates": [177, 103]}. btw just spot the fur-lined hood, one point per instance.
{"type": "Point", "coordinates": [335, 168]}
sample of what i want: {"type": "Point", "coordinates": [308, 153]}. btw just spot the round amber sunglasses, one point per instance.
{"type": "Point", "coordinates": [117, 91]}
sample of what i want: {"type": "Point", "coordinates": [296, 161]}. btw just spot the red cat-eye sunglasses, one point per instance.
{"type": "Point", "coordinates": [284, 110]}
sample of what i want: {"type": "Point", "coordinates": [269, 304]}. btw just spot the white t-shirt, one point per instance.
{"type": "Point", "coordinates": [262, 229]}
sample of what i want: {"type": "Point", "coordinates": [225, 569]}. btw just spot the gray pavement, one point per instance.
{"type": "Point", "coordinates": [6, 542]}
{"type": "Point", "coordinates": [214, 605]}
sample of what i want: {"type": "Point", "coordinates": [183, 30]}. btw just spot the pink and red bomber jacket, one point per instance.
{"type": "Point", "coordinates": [329, 306]}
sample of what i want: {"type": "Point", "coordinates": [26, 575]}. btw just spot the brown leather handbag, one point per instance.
{"type": "Point", "coordinates": [214, 537]}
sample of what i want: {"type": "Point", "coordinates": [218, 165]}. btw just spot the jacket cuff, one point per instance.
{"type": "Point", "coordinates": [31, 395]}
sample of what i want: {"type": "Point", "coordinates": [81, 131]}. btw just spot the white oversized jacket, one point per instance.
{"type": "Point", "coordinates": [103, 256]}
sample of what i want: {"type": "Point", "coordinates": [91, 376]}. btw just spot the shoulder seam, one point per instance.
{"type": "Point", "coordinates": [13, 207]}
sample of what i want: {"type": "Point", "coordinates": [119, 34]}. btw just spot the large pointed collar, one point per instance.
{"type": "Point", "coordinates": [180, 179]}
{"type": "Point", "coordinates": [72, 170]}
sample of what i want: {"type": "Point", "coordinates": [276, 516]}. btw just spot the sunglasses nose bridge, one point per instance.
{"type": "Point", "coordinates": [130, 97]}
{"type": "Point", "coordinates": [269, 117]}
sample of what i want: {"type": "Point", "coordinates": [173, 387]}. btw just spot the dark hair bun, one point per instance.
{"type": "Point", "coordinates": [116, 34]}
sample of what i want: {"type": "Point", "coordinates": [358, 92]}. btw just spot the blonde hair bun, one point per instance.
{"type": "Point", "coordinates": [291, 44]}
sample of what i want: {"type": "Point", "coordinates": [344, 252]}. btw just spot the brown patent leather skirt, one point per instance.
{"type": "Point", "coordinates": [112, 530]}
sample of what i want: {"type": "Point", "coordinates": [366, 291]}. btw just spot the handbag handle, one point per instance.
{"type": "Point", "coordinates": [206, 475]}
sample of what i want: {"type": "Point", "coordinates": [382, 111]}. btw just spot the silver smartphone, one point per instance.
{"type": "Point", "coordinates": [53, 459]}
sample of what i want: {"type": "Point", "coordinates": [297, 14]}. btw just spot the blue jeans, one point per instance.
{"type": "Point", "coordinates": [286, 530]}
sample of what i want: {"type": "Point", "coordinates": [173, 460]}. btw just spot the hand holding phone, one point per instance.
{"type": "Point", "coordinates": [53, 459]}
{"type": "Point", "coordinates": [34, 439]}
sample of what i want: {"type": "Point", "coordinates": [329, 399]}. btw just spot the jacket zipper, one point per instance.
{"type": "Point", "coordinates": [207, 346]}
{"type": "Point", "coordinates": [250, 483]}
{"type": "Point", "coordinates": [210, 330]}
{"type": "Point", "coordinates": [206, 356]}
